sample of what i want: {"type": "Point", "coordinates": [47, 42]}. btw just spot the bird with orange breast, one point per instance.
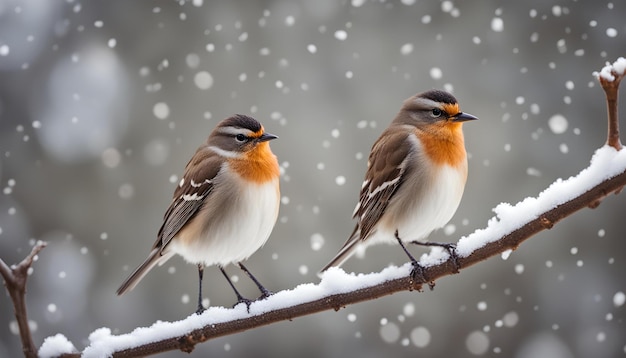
{"type": "Point", "coordinates": [415, 178]}
{"type": "Point", "coordinates": [224, 207]}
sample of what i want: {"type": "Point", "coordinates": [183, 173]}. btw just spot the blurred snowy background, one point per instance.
{"type": "Point", "coordinates": [102, 104]}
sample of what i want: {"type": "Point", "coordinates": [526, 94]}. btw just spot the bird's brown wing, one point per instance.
{"type": "Point", "coordinates": [189, 196]}
{"type": "Point", "coordinates": [196, 184]}
{"type": "Point", "coordinates": [385, 174]}
{"type": "Point", "coordinates": [386, 165]}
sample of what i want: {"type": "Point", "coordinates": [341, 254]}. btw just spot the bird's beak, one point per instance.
{"type": "Point", "coordinates": [463, 117]}
{"type": "Point", "coordinates": [266, 136]}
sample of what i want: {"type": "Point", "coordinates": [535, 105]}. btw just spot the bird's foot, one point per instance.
{"type": "Point", "coordinates": [200, 309]}
{"type": "Point", "coordinates": [265, 293]}
{"type": "Point", "coordinates": [418, 275]}
{"type": "Point", "coordinates": [449, 247]}
{"type": "Point", "coordinates": [244, 300]}
{"type": "Point", "coordinates": [417, 272]}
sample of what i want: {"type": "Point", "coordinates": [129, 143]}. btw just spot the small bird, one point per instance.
{"type": "Point", "coordinates": [224, 207]}
{"type": "Point", "coordinates": [415, 178]}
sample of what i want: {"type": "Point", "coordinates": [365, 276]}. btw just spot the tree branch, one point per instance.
{"type": "Point", "coordinates": [370, 290]}
{"type": "Point", "coordinates": [510, 241]}
{"type": "Point", "coordinates": [15, 278]}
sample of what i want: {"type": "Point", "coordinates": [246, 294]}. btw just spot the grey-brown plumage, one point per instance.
{"type": "Point", "coordinates": [226, 203]}
{"type": "Point", "coordinates": [415, 177]}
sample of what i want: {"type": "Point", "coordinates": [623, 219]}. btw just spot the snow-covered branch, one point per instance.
{"type": "Point", "coordinates": [506, 231]}
{"type": "Point", "coordinates": [511, 225]}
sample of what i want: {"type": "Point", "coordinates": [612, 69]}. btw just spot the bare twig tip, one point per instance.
{"type": "Point", "coordinates": [609, 78]}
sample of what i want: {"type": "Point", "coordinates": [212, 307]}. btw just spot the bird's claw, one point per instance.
{"type": "Point", "coordinates": [418, 275]}
{"type": "Point", "coordinates": [247, 302]}
{"type": "Point", "coordinates": [449, 247]}
{"type": "Point", "coordinates": [265, 294]}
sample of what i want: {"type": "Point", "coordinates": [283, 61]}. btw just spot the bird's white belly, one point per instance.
{"type": "Point", "coordinates": [437, 203]}
{"type": "Point", "coordinates": [239, 232]}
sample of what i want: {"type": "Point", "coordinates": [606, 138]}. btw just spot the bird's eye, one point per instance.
{"type": "Point", "coordinates": [240, 137]}
{"type": "Point", "coordinates": [436, 112]}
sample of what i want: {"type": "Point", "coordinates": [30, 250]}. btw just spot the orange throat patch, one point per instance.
{"type": "Point", "coordinates": [443, 143]}
{"type": "Point", "coordinates": [259, 165]}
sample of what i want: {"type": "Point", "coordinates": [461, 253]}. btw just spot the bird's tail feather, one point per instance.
{"type": "Point", "coordinates": [154, 258]}
{"type": "Point", "coordinates": [348, 249]}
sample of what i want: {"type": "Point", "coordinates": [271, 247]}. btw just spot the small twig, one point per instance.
{"type": "Point", "coordinates": [15, 278]}
{"type": "Point", "coordinates": [611, 90]}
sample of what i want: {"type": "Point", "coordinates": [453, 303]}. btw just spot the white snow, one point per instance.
{"type": "Point", "coordinates": [54, 346]}
{"type": "Point", "coordinates": [420, 336]}
{"type": "Point", "coordinates": [111, 157]}
{"type": "Point", "coordinates": [406, 49]}
{"type": "Point", "coordinates": [334, 281]}
{"type": "Point", "coordinates": [605, 164]}
{"type": "Point", "coordinates": [203, 80]}
{"type": "Point", "coordinates": [436, 73]}
{"type": "Point", "coordinates": [357, 3]}
{"type": "Point", "coordinates": [497, 25]}
{"type": "Point", "coordinates": [408, 309]}
{"type": "Point", "coordinates": [619, 298]}
{"type": "Point", "coordinates": [510, 319]}
{"type": "Point", "coordinates": [447, 6]}
{"type": "Point", "coordinates": [619, 67]}
{"type": "Point", "coordinates": [317, 241]}
{"type": "Point", "coordinates": [390, 332]}
{"type": "Point", "coordinates": [477, 343]}
{"type": "Point", "coordinates": [611, 32]}
{"type": "Point", "coordinates": [161, 110]}
{"type": "Point", "coordinates": [341, 35]}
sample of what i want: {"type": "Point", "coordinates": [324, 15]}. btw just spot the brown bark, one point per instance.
{"type": "Point", "coordinates": [15, 278]}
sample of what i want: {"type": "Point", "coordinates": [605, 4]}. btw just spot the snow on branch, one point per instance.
{"type": "Point", "coordinates": [511, 225]}
{"type": "Point", "coordinates": [504, 232]}
{"type": "Point", "coordinates": [612, 72]}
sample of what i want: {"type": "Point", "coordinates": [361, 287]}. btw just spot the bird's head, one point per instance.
{"type": "Point", "coordinates": [433, 108]}
{"type": "Point", "coordinates": [238, 135]}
